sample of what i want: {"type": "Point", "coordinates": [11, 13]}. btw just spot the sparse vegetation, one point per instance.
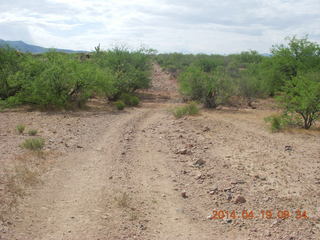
{"type": "Point", "coordinates": [122, 200]}
{"type": "Point", "coordinates": [277, 123]}
{"type": "Point", "coordinates": [120, 105]}
{"type": "Point", "coordinates": [14, 181]}
{"type": "Point", "coordinates": [58, 80]}
{"type": "Point", "coordinates": [20, 128]}
{"type": "Point", "coordinates": [130, 100]}
{"type": "Point", "coordinates": [32, 132]}
{"type": "Point", "coordinates": [34, 144]}
{"type": "Point", "coordinates": [189, 109]}
{"type": "Point", "coordinates": [291, 74]}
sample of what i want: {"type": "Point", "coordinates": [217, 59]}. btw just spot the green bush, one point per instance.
{"type": "Point", "coordinates": [120, 105]}
{"type": "Point", "coordinates": [10, 63]}
{"type": "Point", "coordinates": [54, 80]}
{"type": "Point", "coordinates": [276, 123]}
{"type": "Point", "coordinates": [130, 70]}
{"type": "Point", "coordinates": [211, 89]}
{"type": "Point", "coordinates": [34, 144]}
{"type": "Point", "coordinates": [32, 132]}
{"type": "Point", "coordinates": [189, 109]}
{"type": "Point", "coordinates": [130, 100]}
{"type": "Point", "coordinates": [301, 96]}
{"type": "Point", "coordinates": [135, 101]}
{"type": "Point", "coordinates": [57, 80]}
{"type": "Point", "coordinates": [20, 128]}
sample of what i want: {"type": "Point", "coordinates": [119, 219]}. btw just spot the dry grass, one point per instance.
{"type": "Point", "coordinates": [133, 215]}
{"type": "Point", "coordinates": [122, 200]}
{"type": "Point", "coordinates": [34, 144]}
{"type": "Point", "coordinates": [32, 132]}
{"type": "Point", "coordinates": [14, 185]}
{"type": "Point", "coordinates": [16, 180]}
{"type": "Point", "coordinates": [20, 128]}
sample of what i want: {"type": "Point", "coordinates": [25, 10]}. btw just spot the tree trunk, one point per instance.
{"type": "Point", "coordinates": [210, 100]}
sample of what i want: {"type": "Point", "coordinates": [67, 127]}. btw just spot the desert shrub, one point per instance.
{"type": "Point", "coordinates": [251, 86]}
{"type": "Point", "coordinates": [57, 80]}
{"type": "Point", "coordinates": [32, 132]}
{"type": "Point", "coordinates": [175, 63]}
{"type": "Point", "coordinates": [301, 96]}
{"type": "Point", "coordinates": [34, 144]}
{"type": "Point", "coordinates": [20, 128]}
{"type": "Point", "coordinates": [290, 60]}
{"type": "Point", "coordinates": [211, 89]}
{"type": "Point", "coordinates": [206, 63]}
{"type": "Point", "coordinates": [135, 101]}
{"type": "Point", "coordinates": [105, 83]}
{"type": "Point", "coordinates": [129, 100]}
{"type": "Point", "coordinates": [282, 121]}
{"type": "Point", "coordinates": [10, 64]}
{"type": "Point", "coordinates": [130, 70]}
{"type": "Point", "coordinates": [277, 123]}
{"type": "Point", "coordinates": [54, 80]}
{"type": "Point", "coordinates": [189, 109]}
{"type": "Point", "coordinates": [120, 105]}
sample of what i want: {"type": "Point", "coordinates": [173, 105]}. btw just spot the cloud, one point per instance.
{"type": "Point", "coordinates": [168, 25]}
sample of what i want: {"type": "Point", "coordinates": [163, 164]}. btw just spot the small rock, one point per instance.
{"type": "Point", "coordinates": [199, 176]}
{"type": "Point", "coordinates": [142, 227]}
{"type": "Point", "coordinates": [228, 220]}
{"type": "Point", "coordinates": [182, 151]}
{"type": "Point", "coordinates": [240, 199]}
{"type": "Point", "coordinates": [199, 163]}
{"type": "Point", "coordinates": [234, 182]}
{"type": "Point", "coordinates": [79, 146]}
{"type": "Point", "coordinates": [184, 194]}
{"type": "Point", "coordinates": [288, 148]}
{"type": "Point", "coordinates": [229, 196]}
{"type": "Point", "coordinates": [214, 188]}
{"type": "Point", "coordinates": [206, 129]}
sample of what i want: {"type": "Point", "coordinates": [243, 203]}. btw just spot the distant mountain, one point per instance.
{"type": "Point", "coordinates": [266, 54]}
{"type": "Point", "coordinates": [24, 47]}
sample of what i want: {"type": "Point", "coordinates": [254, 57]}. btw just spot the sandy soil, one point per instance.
{"type": "Point", "coordinates": [142, 174]}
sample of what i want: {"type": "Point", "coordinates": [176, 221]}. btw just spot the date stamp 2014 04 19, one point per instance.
{"type": "Point", "coordinates": [262, 214]}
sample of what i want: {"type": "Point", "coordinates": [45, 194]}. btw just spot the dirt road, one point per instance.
{"type": "Point", "coordinates": [147, 175]}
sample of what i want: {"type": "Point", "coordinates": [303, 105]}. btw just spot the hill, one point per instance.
{"type": "Point", "coordinates": [24, 47]}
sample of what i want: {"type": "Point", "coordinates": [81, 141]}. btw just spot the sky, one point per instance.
{"type": "Point", "coordinates": [189, 26]}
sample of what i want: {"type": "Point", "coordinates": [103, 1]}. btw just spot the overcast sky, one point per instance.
{"type": "Point", "coordinates": [208, 26]}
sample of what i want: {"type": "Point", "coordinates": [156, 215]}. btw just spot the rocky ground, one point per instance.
{"type": "Point", "coordinates": [142, 174]}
